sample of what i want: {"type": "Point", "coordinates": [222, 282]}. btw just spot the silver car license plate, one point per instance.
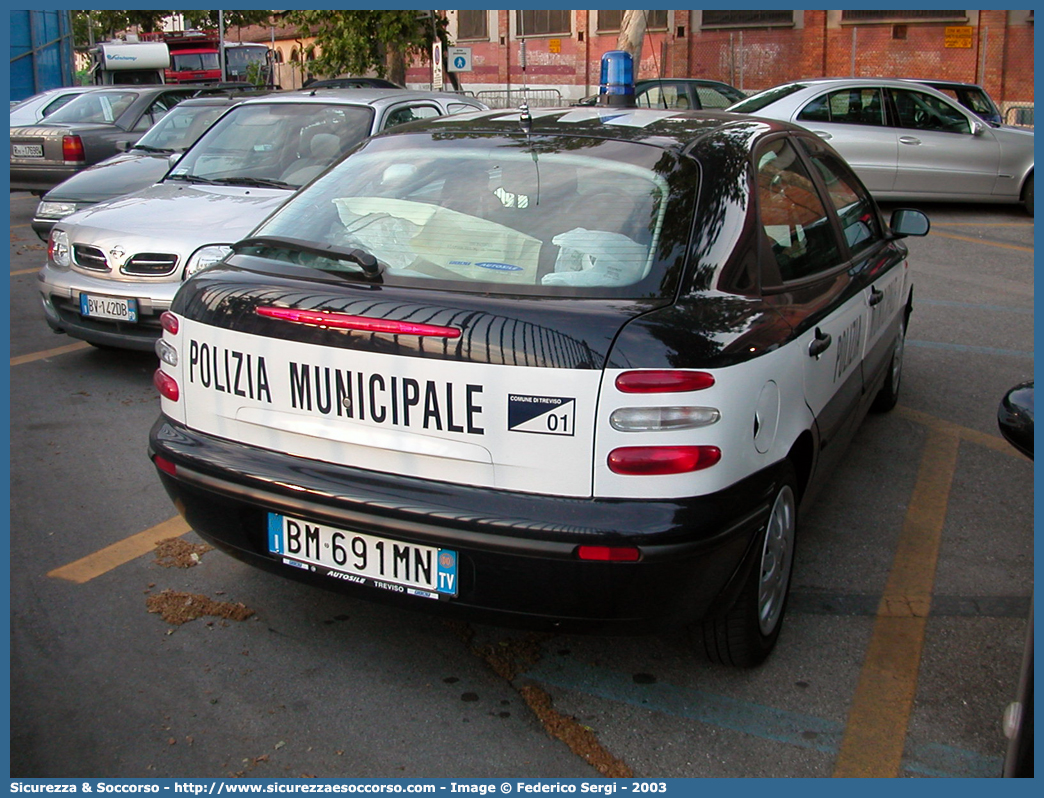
{"type": "Point", "coordinates": [108, 307]}
{"type": "Point", "coordinates": [27, 151]}
{"type": "Point", "coordinates": [425, 571]}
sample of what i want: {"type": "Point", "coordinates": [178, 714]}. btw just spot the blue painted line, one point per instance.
{"type": "Point", "coordinates": [747, 717]}
{"type": "Point", "coordinates": [972, 306]}
{"type": "Point", "coordinates": [977, 350]}
{"type": "Point", "coordinates": [944, 761]}
{"type": "Point", "coordinates": [792, 728]}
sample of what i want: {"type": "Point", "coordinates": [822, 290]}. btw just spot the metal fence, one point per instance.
{"type": "Point", "coordinates": [512, 98]}
{"type": "Point", "coordinates": [1019, 115]}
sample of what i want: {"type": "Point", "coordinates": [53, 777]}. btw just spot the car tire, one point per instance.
{"type": "Point", "coordinates": [746, 634]}
{"type": "Point", "coordinates": [1027, 195]}
{"type": "Point", "coordinates": [889, 394]}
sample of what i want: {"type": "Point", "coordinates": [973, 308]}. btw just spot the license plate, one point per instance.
{"type": "Point", "coordinates": [27, 150]}
{"type": "Point", "coordinates": [425, 571]}
{"type": "Point", "coordinates": [108, 307]}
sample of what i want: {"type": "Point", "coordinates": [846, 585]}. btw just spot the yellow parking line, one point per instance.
{"type": "Point", "coordinates": [875, 734]}
{"type": "Point", "coordinates": [25, 271]}
{"type": "Point", "coordinates": [980, 241]}
{"type": "Point", "coordinates": [994, 442]}
{"type": "Point", "coordinates": [61, 350]}
{"type": "Point", "coordinates": [121, 552]}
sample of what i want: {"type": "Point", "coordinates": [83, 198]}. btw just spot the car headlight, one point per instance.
{"type": "Point", "coordinates": [58, 249]}
{"type": "Point", "coordinates": [205, 257]}
{"type": "Point", "coordinates": [55, 210]}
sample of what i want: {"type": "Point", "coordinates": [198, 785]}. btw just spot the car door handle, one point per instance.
{"type": "Point", "coordinates": [820, 344]}
{"type": "Point", "coordinates": [875, 296]}
{"type": "Point", "coordinates": [822, 134]}
{"type": "Point", "coordinates": [909, 140]}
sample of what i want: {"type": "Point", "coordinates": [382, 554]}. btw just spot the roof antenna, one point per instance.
{"type": "Point", "coordinates": [524, 117]}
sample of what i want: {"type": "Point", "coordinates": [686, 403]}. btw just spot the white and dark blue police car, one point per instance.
{"type": "Point", "coordinates": [577, 369]}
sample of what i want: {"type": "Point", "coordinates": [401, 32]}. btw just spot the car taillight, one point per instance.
{"type": "Point", "coordinates": [72, 149]}
{"type": "Point", "coordinates": [166, 385]}
{"type": "Point", "coordinates": [165, 465]}
{"type": "Point", "coordinates": [609, 553]}
{"type": "Point", "coordinates": [169, 322]}
{"type": "Point", "coordinates": [663, 381]}
{"type": "Point", "coordinates": [662, 460]}
{"type": "Point", "coordinates": [652, 419]}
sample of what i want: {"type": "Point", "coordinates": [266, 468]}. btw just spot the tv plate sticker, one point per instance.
{"type": "Point", "coordinates": [542, 415]}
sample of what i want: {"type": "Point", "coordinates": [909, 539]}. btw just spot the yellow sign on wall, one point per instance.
{"type": "Point", "coordinates": [958, 36]}
{"type": "Point", "coordinates": [554, 45]}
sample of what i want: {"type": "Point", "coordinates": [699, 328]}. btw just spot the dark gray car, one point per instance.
{"type": "Point", "coordinates": [139, 167]}
{"type": "Point", "coordinates": [680, 94]}
{"type": "Point", "coordinates": [87, 130]}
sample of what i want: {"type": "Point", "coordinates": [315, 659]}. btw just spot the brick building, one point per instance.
{"type": "Point", "coordinates": [752, 50]}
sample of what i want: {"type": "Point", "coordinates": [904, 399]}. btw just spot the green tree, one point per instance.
{"type": "Point", "coordinates": [107, 24]}
{"type": "Point", "coordinates": [209, 19]}
{"type": "Point", "coordinates": [359, 41]}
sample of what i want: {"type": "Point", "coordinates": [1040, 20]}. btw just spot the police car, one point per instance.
{"type": "Point", "coordinates": [576, 369]}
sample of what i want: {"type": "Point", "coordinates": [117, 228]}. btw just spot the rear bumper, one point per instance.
{"type": "Point", "coordinates": [517, 552]}
{"type": "Point", "coordinates": [41, 178]}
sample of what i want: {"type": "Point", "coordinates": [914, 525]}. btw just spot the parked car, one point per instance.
{"type": "Point", "coordinates": [351, 83]}
{"type": "Point", "coordinates": [113, 268]}
{"type": "Point", "coordinates": [87, 130]}
{"type": "Point", "coordinates": [907, 141]}
{"type": "Point", "coordinates": [680, 94]}
{"type": "Point", "coordinates": [1015, 419]}
{"type": "Point", "coordinates": [33, 109]}
{"type": "Point", "coordinates": [971, 96]}
{"type": "Point", "coordinates": [560, 369]}
{"type": "Point", "coordinates": [145, 163]}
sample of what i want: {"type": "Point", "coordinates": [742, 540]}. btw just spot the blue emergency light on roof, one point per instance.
{"type": "Point", "coordinates": [616, 84]}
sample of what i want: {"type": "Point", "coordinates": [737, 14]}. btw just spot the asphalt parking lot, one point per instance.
{"type": "Point", "coordinates": [901, 648]}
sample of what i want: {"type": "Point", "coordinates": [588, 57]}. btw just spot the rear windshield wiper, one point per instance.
{"type": "Point", "coordinates": [260, 182]}
{"type": "Point", "coordinates": [364, 260]}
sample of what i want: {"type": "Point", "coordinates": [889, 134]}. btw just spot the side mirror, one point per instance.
{"type": "Point", "coordinates": [173, 158]}
{"type": "Point", "coordinates": [977, 128]}
{"type": "Point", "coordinates": [123, 146]}
{"type": "Point", "coordinates": [909, 222]}
{"type": "Point", "coordinates": [1015, 418]}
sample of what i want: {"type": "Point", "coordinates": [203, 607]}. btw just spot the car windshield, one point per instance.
{"type": "Point", "coordinates": [96, 107]}
{"type": "Point", "coordinates": [181, 126]}
{"type": "Point", "coordinates": [240, 57]}
{"type": "Point", "coordinates": [496, 216]}
{"type": "Point", "coordinates": [186, 61]}
{"type": "Point", "coordinates": [288, 143]}
{"type": "Point", "coordinates": [752, 105]}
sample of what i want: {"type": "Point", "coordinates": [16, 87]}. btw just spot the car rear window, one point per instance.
{"type": "Point", "coordinates": [752, 105]}
{"type": "Point", "coordinates": [500, 217]}
{"type": "Point", "coordinates": [96, 107]}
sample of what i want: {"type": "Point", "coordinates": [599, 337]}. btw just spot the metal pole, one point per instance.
{"type": "Point", "coordinates": [732, 58]}
{"type": "Point", "coordinates": [984, 44]}
{"type": "Point", "coordinates": [221, 45]}
{"type": "Point", "coordinates": [741, 60]}
{"type": "Point", "coordinates": [852, 68]}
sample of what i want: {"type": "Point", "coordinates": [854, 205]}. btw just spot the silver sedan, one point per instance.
{"type": "Point", "coordinates": [905, 140]}
{"type": "Point", "coordinates": [113, 268]}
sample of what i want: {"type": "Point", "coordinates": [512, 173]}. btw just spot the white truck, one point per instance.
{"type": "Point", "coordinates": [129, 63]}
